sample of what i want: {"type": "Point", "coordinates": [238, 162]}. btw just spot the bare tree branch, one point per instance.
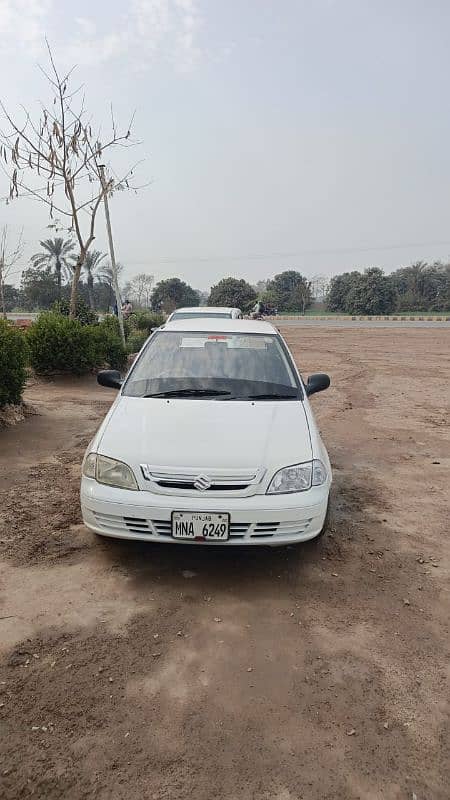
{"type": "Point", "coordinates": [62, 148]}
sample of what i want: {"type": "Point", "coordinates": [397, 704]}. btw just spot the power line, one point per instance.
{"type": "Point", "coordinates": [291, 254]}
{"type": "Point", "coordinates": [284, 255]}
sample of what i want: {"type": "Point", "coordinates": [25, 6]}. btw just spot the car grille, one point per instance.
{"type": "Point", "coordinates": [160, 529]}
{"type": "Point", "coordinates": [215, 487]}
{"type": "Point", "coordinates": [185, 481]}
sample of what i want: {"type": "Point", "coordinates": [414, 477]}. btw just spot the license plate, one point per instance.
{"type": "Point", "coordinates": [205, 527]}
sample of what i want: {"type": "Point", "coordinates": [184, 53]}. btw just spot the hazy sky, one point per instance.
{"type": "Point", "coordinates": [310, 134]}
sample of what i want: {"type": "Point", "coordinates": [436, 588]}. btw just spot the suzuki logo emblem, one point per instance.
{"type": "Point", "coordinates": [202, 483]}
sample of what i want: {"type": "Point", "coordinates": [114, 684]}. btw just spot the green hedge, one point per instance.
{"type": "Point", "coordinates": [82, 311]}
{"type": "Point", "coordinates": [110, 344]}
{"type": "Point", "coordinates": [145, 321]}
{"type": "Point", "coordinates": [137, 328]}
{"type": "Point", "coordinates": [13, 358]}
{"type": "Point", "coordinates": [136, 340]}
{"type": "Point", "coordinates": [60, 344]}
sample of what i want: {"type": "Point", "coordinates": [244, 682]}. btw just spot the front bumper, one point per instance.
{"type": "Point", "coordinates": [260, 519]}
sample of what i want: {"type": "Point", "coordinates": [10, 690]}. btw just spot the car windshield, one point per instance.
{"type": "Point", "coordinates": [202, 314]}
{"type": "Point", "coordinates": [222, 366]}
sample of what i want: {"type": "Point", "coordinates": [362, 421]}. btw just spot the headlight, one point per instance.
{"type": "Point", "coordinates": [298, 478]}
{"type": "Point", "coordinates": [89, 464]}
{"type": "Point", "coordinates": [109, 471]}
{"type": "Point", "coordinates": [319, 475]}
{"type": "Point", "coordinates": [115, 473]}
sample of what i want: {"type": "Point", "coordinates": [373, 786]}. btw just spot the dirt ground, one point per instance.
{"type": "Point", "coordinates": [152, 672]}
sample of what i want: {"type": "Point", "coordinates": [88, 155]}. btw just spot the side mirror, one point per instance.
{"type": "Point", "coordinates": [110, 378]}
{"type": "Point", "coordinates": [317, 383]}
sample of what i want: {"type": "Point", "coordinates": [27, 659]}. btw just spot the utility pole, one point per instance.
{"type": "Point", "coordinates": [2, 294]}
{"type": "Point", "coordinates": [111, 252]}
{"type": "Point", "coordinates": [3, 269]}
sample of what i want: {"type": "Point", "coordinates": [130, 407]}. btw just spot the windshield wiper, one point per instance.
{"type": "Point", "coordinates": [263, 396]}
{"type": "Point", "coordinates": [188, 393]}
{"type": "Point", "coordinates": [272, 396]}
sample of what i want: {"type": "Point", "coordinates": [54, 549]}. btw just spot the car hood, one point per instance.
{"type": "Point", "coordinates": [206, 434]}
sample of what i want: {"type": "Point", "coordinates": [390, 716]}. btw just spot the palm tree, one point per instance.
{"type": "Point", "coordinates": [106, 275]}
{"type": "Point", "coordinates": [56, 254]}
{"type": "Point", "coordinates": [91, 264]}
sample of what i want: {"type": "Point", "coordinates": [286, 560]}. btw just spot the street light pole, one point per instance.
{"type": "Point", "coordinates": [111, 252]}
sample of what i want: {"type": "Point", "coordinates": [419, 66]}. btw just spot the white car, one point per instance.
{"type": "Point", "coordinates": [211, 439]}
{"type": "Point", "coordinates": [216, 312]}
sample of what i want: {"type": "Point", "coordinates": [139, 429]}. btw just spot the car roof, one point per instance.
{"type": "Point", "coordinates": [212, 325]}
{"type": "Point", "coordinates": [205, 310]}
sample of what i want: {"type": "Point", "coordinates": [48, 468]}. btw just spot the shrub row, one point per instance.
{"type": "Point", "coordinates": [56, 343]}
{"type": "Point", "coordinates": [60, 344]}
{"type": "Point", "coordinates": [83, 313]}
{"type": "Point", "coordinates": [13, 359]}
{"type": "Point", "coordinates": [145, 321]}
{"type": "Point", "coordinates": [139, 328]}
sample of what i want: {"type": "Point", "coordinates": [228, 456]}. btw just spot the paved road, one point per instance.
{"type": "Point", "coordinates": [349, 323]}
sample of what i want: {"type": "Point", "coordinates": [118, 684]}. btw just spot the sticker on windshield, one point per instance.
{"type": "Point", "coordinates": [249, 342]}
{"type": "Point", "coordinates": [192, 342]}
{"type": "Point", "coordinates": [232, 342]}
{"type": "Point", "coordinates": [200, 341]}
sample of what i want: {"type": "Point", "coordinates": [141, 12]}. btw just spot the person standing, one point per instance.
{"type": "Point", "coordinates": [127, 309]}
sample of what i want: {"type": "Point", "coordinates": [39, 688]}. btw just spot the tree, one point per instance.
{"type": "Point", "coordinates": [173, 293]}
{"type": "Point", "coordinates": [319, 287]}
{"type": "Point", "coordinates": [105, 277]}
{"type": "Point", "coordinates": [85, 314]}
{"type": "Point", "coordinates": [57, 253]}
{"type": "Point", "coordinates": [11, 297]}
{"type": "Point", "coordinates": [9, 256]}
{"type": "Point", "coordinates": [232, 292]}
{"type": "Point", "coordinates": [422, 286]}
{"type": "Point", "coordinates": [139, 289]}
{"type": "Point", "coordinates": [372, 294]}
{"type": "Point", "coordinates": [92, 262]}
{"type": "Point", "coordinates": [38, 288]}
{"type": "Point", "coordinates": [58, 160]}
{"type": "Point", "coordinates": [290, 291]}
{"type": "Point", "coordinates": [269, 300]}
{"type": "Point", "coordinates": [369, 292]}
{"type": "Point", "coordinates": [260, 287]}
{"type": "Point", "coordinates": [339, 290]}
{"type": "Point", "coordinates": [438, 286]}
{"type": "Point", "coordinates": [103, 295]}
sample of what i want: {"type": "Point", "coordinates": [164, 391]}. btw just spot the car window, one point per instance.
{"type": "Point", "coordinates": [199, 314]}
{"type": "Point", "coordinates": [237, 365]}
